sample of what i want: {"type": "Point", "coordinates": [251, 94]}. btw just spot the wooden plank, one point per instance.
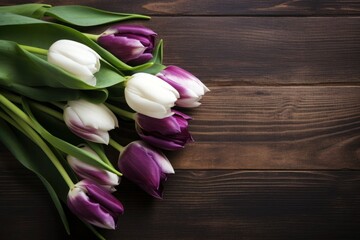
{"type": "Point", "coordinates": [224, 7]}
{"type": "Point", "coordinates": [210, 204]}
{"type": "Point", "coordinates": [263, 50]}
{"type": "Point", "coordinates": [249, 127]}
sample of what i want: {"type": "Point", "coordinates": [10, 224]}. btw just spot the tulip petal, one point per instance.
{"type": "Point", "coordinates": [161, 160]}
{"type": "Point", "coordinates": [166, 142]}
{"type": "Point", "coordinates": [158, 141]}
{"type": "Point", "coordinates": [169, 133]}
{"type": "Point", "coordinates": [80, 71]}
{"type": "Point", "coordinates": [87, 208]}
{"type": "Point", "coordinates": [77, 54]}
{"type": "Point", "coordinates": [188, 102]}
{"type": "Point", "coordinates": [145, 166]}
{"type": "Point", "coordinates": [75, 58]}
{"type": "Point", "coordinates": [88, 171]}
{"type": "Point", "coordinates": [152, 88]}
{"type": "Point", "coordinates": [84, 132]}
{"type": "Point", "coordinates": [131, 44]}
{"type": "Point", "coordinates": [106, 200]}
{"type": "Point", "coordinates": [149, 95]}
{"type": "Point", "coordinates": [143, 169]}
{"type": "Point", "coordinates": [90, 212]}
{"type": "Point", "coordinates": [145, 57]}
{"type": "Point", "coordinates": [134, 29]}
{"type": "Point", "coordinates": [90, 134]}
{"type": "Point", "coordinates": [164, 126]}
{"type": "Point", "coordinates": [126, 49]}
{"type": "Point", "coordinates": [90, 121]}
{"type": "Point", "coordinates": [96, 116]}
{"type": "Point", "coordinates": [179, 75]}
{"type": "Point", "coordinates": [145, 106]}
{"type": "Point", "coordinates": [190, 88]}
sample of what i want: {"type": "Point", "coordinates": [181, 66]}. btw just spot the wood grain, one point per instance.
{"type": "Point", "coordinates": [277, 139]}
{"type": "Point", "coordinates": [224, 7]}
{"type": "Point", "coordinates": [230, 204]}
{"type": "Point", "coordinates": [263, 50]}
{"type": "Point", "coordinates": [251, 127]}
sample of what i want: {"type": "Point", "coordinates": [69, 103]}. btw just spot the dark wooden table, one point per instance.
{"type": "Point", "coordinates": [277, 152]}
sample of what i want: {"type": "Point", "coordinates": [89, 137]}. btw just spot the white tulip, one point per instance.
{"type": "Point", "coordinates": [90, 121]}
{"type": "Point", "coordinates": [149, 95]}
{"type": "Point", "coordinates": [75, 58]}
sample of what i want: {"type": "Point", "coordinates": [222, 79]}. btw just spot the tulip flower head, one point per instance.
{"type": "Point", "coordinates": [94, 204]}
{"type": "Point", "coordinates": [170, 133]}
{"type": "Point", "coordinates": [145, 166]}
{"type": "Point", "coordinates": [131, 44]}
{"type": "Point", "coordinates": [75, 58]}
{"type": "Point", "coordinates": [149, 95]}
{"type": "Point", "coordinates": [86, 171]}
{"type": "Point", "coordinates": [190, 88]}
{"type": "Point", "coordinates": [90, 121]}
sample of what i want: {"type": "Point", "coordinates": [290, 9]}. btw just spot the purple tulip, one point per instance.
{"type": "Point", "coordinates": [190, 88]}
{"type": "Point", "coordinates": [106, 179]}
{"type": "Point", "coordinates": [145, 166]}
{"type": "Point", "coordinates": [95, 205]}
{"type": "Point", "coordinates": [169, 133]}
{"type": "Point", "coordinates": [131, 44]}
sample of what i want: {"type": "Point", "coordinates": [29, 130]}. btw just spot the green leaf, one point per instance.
{"type": "Point", "coordinates": [59, 127]}
{"type": "Point", "coordinates": [66, 147]}
{"type": "Point", "coordinates": [54, 125]}
{"type": "Point", "coordinates": [57, 203]}
{"type": "Point", "coordinates": [108, 76]}
{"type": "Point", "coordinates": [28, 154]}
{"type": "Point", "coordinates": [34, 77]}
{"type": "Point", "coordinates": [159, 52]}
{"type": "Point", "coordinates": [8, 18]}
{"type": "Point", "coordinates": [35, 10]}
{"type": "Point", "coordinates": [98, 148]}
{"type": "Point", "coordinates": [157, 60]}
{"type": "Point", "coordinates": [86, 16]}
{"type": "Point", "coordinates": [41, 34]}
{"type": "Point", "coordinates": [31, 156]}
{"type": "Point", "coordinates": [46, 93]}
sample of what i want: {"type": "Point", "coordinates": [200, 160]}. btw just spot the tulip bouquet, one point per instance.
{"type": "Point", "coordinates": [62, 91]}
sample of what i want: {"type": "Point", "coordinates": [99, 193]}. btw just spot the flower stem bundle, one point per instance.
{"type": "Point", "coordinates": [64, 93]}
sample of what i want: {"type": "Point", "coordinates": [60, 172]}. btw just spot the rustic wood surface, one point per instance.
{"type": "Point", "coordinates": [277, 151]}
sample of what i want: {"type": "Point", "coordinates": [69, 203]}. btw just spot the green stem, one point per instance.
{"type": "Point", "coordinates": [92, 36]}
{"type": "Point", "coordinates": [59, 105]}
{"type": "Point", "coordinates": [15, 98]}
{"type": "Point", "coordinates": [48, 110]}
{"type": "Point", "coordinates": [10, 96]}
{"type": "Point", "coordinates": [121, 112]}
{"type": "Point", "coordinates": [33, 136]}
{"type": "Point", "coordinates": [116, 145]}
{"type": "Point", "coordinates": [15, 110]}
{"type": "Point", "coordinates": [31, 49]}
{"type": "Point", "coordinates": [99, 151]}
{"type": "Point", "coordinates": [141, 16]}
